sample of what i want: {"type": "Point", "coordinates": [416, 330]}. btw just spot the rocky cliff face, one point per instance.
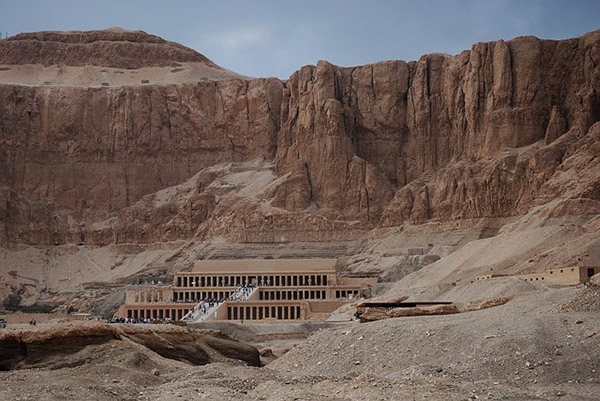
{"type": "Point", "coordinates": [400, 141]}
{"type": "Point", "coordinates": [491, 132]}
{"type": "Point", "coordinates": [83, 153]}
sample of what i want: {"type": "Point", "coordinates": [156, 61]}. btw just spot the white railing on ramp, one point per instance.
{"type": "Point", "coordinates": [202, 311]}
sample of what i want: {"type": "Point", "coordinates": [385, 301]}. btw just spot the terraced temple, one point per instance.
{"type": "Point", "coordinates": [248, 289]}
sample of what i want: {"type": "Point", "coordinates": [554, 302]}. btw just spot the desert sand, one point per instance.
{"type": "Point", "coordinates": [95, 76]}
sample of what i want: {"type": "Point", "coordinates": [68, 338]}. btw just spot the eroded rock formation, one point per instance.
{"type": "Point", "coordinates": [83, 153]}
{"type": "Point", "coordinates": [491, 132]}
{"type": "Point", "coordinates": [77, 344]}
{"type": "Point", "coordinates": [444, 137]}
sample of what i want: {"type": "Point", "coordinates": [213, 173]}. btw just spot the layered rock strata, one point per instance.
{"type": "Point", "coordinates": [491, 132]}
{"type": "Point", "coordinates": [113, 47]}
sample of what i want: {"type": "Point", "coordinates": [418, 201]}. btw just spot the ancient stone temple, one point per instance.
{"type": "Point", "coordinates": [248, 289]}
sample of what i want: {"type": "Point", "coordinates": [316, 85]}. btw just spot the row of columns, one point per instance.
{"type": "Point", "coordinates": [345, 293]}
{"type": "Point", "coordinates": [294, 280]}
{"type": "Point", "coordinates": [283, 312]}
{"type": "Point", "coordinates": [154, 295]}
{"type": "Point", "coordinates": [291, 295]}
{"type": "Point", "coordinates": [197, 296]}
{"type": "Point", "coordinates": [157, 313]}
{"type": "Point", "coordinates": [264, 295]}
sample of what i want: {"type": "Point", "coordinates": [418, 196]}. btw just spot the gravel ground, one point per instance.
{"type": "Point", "coordinates": [585, 300]}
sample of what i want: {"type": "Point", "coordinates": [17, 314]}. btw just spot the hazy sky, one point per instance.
{"type": "Point", "coordinates": [275, 38]}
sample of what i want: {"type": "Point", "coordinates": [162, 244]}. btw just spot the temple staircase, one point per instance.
{"type": "Point", "coordinates": [197, 315]}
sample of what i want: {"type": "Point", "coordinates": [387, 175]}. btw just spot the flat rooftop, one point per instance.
{"type": "Point", "coordinates": [258, 266]}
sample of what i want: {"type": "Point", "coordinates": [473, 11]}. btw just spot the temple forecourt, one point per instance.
{"type": "Point", "coordinates": [248, 289]}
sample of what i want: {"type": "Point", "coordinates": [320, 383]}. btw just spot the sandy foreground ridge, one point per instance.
{"type": "Point", "coordinates": [533, 347]}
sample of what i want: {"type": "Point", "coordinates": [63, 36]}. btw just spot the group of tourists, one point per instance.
{"type": "Point", "coordinates": [203, 306]}
{"type": "Point", "coordinates": [242, 294]}
{"type": "Point", "coordinates": [129, 320]}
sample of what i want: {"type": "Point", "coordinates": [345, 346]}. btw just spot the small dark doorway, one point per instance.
{"type": "Point", "coordinates": [590, 271]}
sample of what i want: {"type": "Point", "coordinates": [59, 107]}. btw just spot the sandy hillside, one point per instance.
{"type": "Point", "coordinates": [109, 57]}
{"type": "Point", "coordinates": [530, 244]}
{"type": "Point", "coordinates": [96, 76]}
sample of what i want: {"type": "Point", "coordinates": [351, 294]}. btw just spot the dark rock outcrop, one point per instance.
{"type": "Point", "coordinates": [84, 343]}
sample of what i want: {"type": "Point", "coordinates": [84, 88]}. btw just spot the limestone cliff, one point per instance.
{"type": "Point", "coordinates": [84, 153]}
{"type": "Point", "coordinates": [491, 132]}
{"type": "Point", "coordinates": [442, 138]}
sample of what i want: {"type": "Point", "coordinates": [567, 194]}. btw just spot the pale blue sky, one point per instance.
{"type": "Point", "coordinates": [275, 38]}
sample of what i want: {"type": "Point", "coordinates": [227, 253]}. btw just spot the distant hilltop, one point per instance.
{"type": "Point", "coordinates": [113, 47]}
